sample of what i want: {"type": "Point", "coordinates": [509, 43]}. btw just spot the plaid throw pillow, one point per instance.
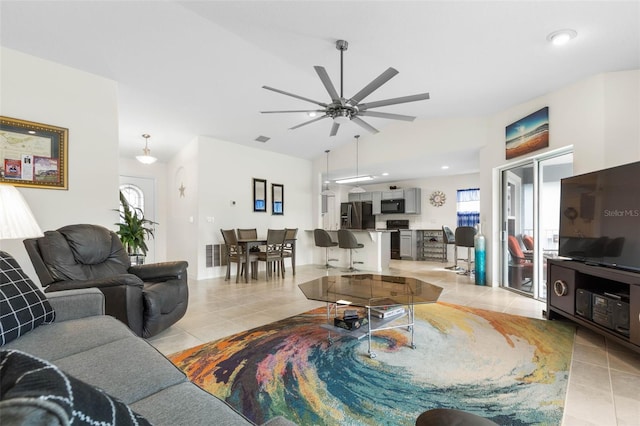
{"type": "Point", "coordinates": [23, 306]}
{"type": "Point", "coordinates": [30, 385]}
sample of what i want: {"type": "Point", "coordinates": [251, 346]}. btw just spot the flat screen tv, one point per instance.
{"type": "Point", "coordinates": [600, 217]}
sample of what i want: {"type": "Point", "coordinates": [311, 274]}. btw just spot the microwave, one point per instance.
{"type": "Point", "coordinates": [392, 206]}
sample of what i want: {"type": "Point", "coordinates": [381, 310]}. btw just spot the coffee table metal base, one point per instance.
{"type": "Point", "coordinates": [374, 324]}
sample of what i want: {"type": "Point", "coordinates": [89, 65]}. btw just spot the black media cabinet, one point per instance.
{"type": "Point", "coordinates": [605, 300]}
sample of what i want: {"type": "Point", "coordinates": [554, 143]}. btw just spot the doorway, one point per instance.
{"type": "Point", "coordinates": [530, 218]}
{"type": "Point", "coordinates": [146, 187]}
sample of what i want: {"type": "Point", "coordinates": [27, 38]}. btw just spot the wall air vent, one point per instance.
{"type": "Point", "coordinates": [215, 255]}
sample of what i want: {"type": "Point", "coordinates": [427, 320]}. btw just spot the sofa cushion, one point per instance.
{"type": "Point", "coordinates": [23, 306]}
{"type": "Point", "coordinates": [130, 368]}
{"type": "Point", "coordinates": [187, 404]}
{"type": "Point", "coordinates": [27, 381]}
{"type": "Point", "coordinates": [71, 337]}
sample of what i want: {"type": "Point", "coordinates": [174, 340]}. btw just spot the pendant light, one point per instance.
{"type": "Point", "coordinates": [358, 189]}
{"type": "Point", "coordinates": [146, 158]}
{"type": "Point", "coordinates": [325, 187]}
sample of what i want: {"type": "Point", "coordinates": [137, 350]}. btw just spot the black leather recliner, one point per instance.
{"type": "Point", "coordinates": [148, 298]}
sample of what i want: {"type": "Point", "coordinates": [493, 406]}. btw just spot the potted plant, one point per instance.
{"type": "Point", "coordinates": [133, 230]}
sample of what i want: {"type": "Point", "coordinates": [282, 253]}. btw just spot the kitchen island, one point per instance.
{"type": "Point", "coordinates": [374, 255]}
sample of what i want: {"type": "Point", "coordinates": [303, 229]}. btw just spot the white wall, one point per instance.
{"type": "Point", "coordinates": [37, 90]}
{"type": "Point", "coordinates": [598, 116]}
{"type": "Point", "coordinates": [218, 173]}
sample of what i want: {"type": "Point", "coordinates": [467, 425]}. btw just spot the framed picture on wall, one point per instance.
{"type": "Point", "coordinates": [33, 154]}
{"type": "Point", "coordinates": [259, 195]}
{"type": "Point", "coordinates": [528, 134]}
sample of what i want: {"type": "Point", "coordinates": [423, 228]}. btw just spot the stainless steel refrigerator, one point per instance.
{"type": "Point", "coordinates": [357, 215]}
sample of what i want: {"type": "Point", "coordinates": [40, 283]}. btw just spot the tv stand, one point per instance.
{"type": "Point", "coordinates": [605, 300]}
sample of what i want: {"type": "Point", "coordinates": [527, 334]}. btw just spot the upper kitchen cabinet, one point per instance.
{"type": "Point", "coordinates": [413, 201]}
{"type": "Point", "coordinates": [361, 196]}
{"type": "Point", "coordinates": [393, 194]}
{"type": "Point", "coordinates": [376, 197]}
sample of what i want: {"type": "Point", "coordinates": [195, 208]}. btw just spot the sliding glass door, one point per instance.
{"type": "Point", "coordinates": [530, 217]}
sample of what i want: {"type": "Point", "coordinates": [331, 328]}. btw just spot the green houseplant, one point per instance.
{"type": "Point", "coordinates": [134, 229]}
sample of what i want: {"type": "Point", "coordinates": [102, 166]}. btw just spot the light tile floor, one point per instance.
{"type": "Point", "coordinates": [604, 382]}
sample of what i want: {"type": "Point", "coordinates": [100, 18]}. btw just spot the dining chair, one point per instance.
{"type": "Point", "coordinates": [272, 255]}
{"type": "Point", "coordinates": [247, 233]}
{"type": "Point", "coordinates": [235, 254]}
{"type": "Point", "coordinates": [289, 247]}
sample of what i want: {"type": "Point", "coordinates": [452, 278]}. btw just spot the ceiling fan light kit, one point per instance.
{"type": "Point", "coordinates": [342, 110]}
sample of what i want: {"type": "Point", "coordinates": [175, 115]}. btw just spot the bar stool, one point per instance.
{"type": "Point", "coordinates": [464, 238]}
{"type": "Point", "coordinates": [323, 239]}
{"type": "Point", "coordinates": [347, 240]}
{"type": "Point", "coordinates": [449, 238]}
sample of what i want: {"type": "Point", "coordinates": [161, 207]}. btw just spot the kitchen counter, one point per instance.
{"type": "Point", "coordinates": [375, 254]}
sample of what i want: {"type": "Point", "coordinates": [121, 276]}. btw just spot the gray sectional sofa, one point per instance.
{"type": "Point", "coordinates": [102, 352]}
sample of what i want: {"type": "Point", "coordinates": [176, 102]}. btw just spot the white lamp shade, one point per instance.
{"type": "Point", "coordinates": [16, 219]}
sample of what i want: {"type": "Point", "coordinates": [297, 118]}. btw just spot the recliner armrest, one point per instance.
{"type": "Point", "coordinates": [160, 271]}
{"type": "Point", "coordinates": [114, 281]}
{"type": "Point", "coordinates": [74, 304]}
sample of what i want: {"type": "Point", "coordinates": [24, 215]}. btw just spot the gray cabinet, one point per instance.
{"type": "Point", "coordinates": [393, 194]}
{"type": "Point", "coordinates": [376, 197]}
{"type": "Point", "coordinates": [360, 196]}
{"type": "Point", "coordinates": [408, 244]}
{"type": "Point", "coordinates": [413, 200]}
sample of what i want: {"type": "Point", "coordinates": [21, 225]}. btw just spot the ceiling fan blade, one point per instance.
{"type": "Point", "coordinates": [334, 129]}
{"type": "Point", "coordinates": [368, 127]}
{"type": "Point", "coordinates": [294, 96]}
{"type": "Point", "coordinates": [293, 110]}
{"type": "Point", "coordinates": [394, 101]}
{"type": "Point", "coordinates": [308, 122]}
{"type": "Point", "coordinates": [324, 77]}
{"type": "Point", "coordinates": [387, 115]}
{"type": "Point", "coordinates": [377, 82]}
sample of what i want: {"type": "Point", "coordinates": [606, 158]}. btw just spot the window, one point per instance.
{"type": "Point", "coordinates": [134, 196]}
{"type": "Point", "coordinates": [468, 206]}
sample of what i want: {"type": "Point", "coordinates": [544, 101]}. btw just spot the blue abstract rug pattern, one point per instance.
{"type": "Point", "coordinates": [510, 369]}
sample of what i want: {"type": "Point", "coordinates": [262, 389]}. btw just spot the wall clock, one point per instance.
{"type": "Point", "coordinates": [437, 198]}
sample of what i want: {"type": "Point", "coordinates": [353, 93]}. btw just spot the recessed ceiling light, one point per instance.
{"type": "Point", "coordinates": [385, 174]}
{"type": "Point", "coordinates": [561, 37]}
{"type": "Point", "coordinates": [312, 113]}
{"type": "Point", "coordinates": [444, 167]}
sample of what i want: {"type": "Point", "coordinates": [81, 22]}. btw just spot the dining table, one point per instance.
{"type": "Point", "coordinates": [249, 243]}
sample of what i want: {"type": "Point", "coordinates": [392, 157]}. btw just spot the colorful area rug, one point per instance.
{"type": "Point", "coordinates": [507, 368]}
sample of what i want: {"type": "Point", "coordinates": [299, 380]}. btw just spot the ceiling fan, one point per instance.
{"type": "Point", "coordinates": [343, 110]}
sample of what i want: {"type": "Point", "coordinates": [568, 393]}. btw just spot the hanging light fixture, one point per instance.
{"type": "Point", "coordinates": [146, 158]}
{"type": "Point", "coordinates": [358, 189]}
{"type": "Point", "coordinates": [325, 187]}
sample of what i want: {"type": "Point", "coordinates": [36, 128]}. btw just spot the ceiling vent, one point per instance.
{"type": "Point", "coordinates": [262, 139]}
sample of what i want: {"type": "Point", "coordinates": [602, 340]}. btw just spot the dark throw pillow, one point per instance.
{"type": "Point", "coordinates": [31, 387]}
{"type": "Point", "coordinates": [23, 306]}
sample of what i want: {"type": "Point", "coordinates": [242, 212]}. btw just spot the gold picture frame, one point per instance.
{"type": "Point", "coordinates": [33, 154]}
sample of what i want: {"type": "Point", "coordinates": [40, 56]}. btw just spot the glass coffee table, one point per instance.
{"type": "Point", "coordinates": [385, 299]}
